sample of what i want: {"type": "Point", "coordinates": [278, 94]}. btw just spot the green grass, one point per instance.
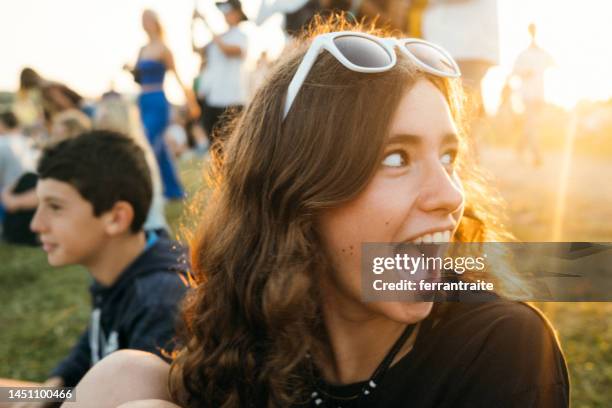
{"type": "Point", "coordinates": [43, 310]}
{"type": "Point", "coordinates": [586, 337]}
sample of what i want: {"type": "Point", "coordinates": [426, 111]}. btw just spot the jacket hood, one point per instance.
{"type": "Point", "coordinates": [164, 255]}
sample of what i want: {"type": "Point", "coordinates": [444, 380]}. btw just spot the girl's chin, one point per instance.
{"type": "Point", "coordinates": [405, 312]}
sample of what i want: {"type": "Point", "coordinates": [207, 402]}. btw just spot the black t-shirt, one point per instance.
{"type": "Point", "coordinates": [16, 225]}
{"type": "Point", "coordinates": [493, 354]}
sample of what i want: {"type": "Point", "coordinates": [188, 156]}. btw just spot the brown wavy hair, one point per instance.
{"type": "Point", "coordinates": [253, 315]}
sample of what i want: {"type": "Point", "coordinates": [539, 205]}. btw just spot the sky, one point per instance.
{"type": "Point", "coordinates": [86, 42]}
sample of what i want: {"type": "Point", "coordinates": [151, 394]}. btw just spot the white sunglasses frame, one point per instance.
{"type": "Point", "coordinates": [326, 42]}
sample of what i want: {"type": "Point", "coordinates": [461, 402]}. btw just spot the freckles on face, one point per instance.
{"type": "Point", "coordinates": [415, 189]}
{"type": "Point", "coordinates": [374, 216]}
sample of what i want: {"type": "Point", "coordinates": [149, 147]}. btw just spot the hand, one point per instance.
{"type": "Point", "coordinates": [194, 110]}
{"type": "Point", "coordinates": [196, 14]}
{"type": "Point", "coordinates": [8, 201]}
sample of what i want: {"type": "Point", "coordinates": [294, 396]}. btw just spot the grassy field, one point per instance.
{"type": "Point", "coordinates": [44, 309]}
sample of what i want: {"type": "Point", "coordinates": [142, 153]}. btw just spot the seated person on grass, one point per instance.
{"type": "Point", "coordinates": [94, 193]}
{"type": "Point", "coordinates": [19, 199]}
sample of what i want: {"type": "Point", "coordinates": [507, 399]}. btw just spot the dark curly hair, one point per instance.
{"type": "Point", "coordinates": [254, 314]}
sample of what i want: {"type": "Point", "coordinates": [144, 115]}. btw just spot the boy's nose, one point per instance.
{"type": "Point", "coordinates": [36, 225]}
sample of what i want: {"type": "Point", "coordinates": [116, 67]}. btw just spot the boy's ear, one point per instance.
{"type": "Point", "coordinates": [119, 218]}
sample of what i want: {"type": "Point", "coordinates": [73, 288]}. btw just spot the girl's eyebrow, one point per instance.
{"type": "Point", "coordinates": [410, 139]}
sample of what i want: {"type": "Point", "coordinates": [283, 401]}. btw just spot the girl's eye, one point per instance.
{"type": "Point", "coordinates": [55, 207]}
{"type": "Point", "coordinates": [396, 159]}
{"type": "Point", "coordinates": [448, 158]}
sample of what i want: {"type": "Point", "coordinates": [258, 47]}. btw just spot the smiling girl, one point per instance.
{"type": "Point", "coordinates": [352, 139]}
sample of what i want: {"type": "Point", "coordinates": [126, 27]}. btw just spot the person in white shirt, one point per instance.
{"type": "Point", "coordinates": [469, 30]}
{"type": "Point", "coordinates": [529, 67]}
{"type": "Point", "coordinates": [16, 156]}
{"type": "Point", "coordinates": [222, 82]}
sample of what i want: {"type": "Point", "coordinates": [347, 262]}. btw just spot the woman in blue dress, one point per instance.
{"type": "Point", "coordinates": [154, 59]}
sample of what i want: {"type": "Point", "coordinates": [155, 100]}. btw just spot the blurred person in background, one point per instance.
{"type": "Point", "coordinates": [222, 83]}
{"type": "Point", "coordinates": [55, 97]}
{"type": "Point", "coordinates": [28, 105]}
{"type": "Point", "coordinates": [15, 150]}
{"type": "Point", "coordinates": [114, 113]}
{"type": "Point", "coordinates": [405, 16]}
{"type": "Point", "coordinates": [529, 67]}
{"type": "Point", "coordinates": [300, 14]}
{"type": "Point", "coordinates": [15, 153]}
{"type": "Point", "coordinates": [68, 124]}
{"type": "Point", "coordinates": [154, 59]}
{"type": "Point", "coordinates": [186, 137]}
{"type": "Point", "coordinates": [20, 198]}
{"type": "Point", "coordinates": [468, 29]}
{"type": "Point", "coordinates": [176, 134]}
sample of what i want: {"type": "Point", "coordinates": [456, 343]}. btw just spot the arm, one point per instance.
{"type": "Point", "coordinates": [18, 201]}
{"type": "Point", "coordinates": [194, 47]}
{"type": "Point", "coordinates": [132, 68]}
{"type": "Point", "coordinates": [194, 109]}
{"type": "Point", "coordinates": [121, 377]}
{"type": "Point", "coordinates": [201, 51]}
{"type": "Point", "coordinates": [227, 49]}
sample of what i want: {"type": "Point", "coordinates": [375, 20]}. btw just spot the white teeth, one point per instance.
{"type": "Point", "coordinates": [440, 236]}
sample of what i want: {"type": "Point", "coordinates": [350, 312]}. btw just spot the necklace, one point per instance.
{"type": "Point", "coordinates": [323, 399]}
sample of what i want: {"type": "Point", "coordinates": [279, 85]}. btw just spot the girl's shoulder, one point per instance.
{"type": "Point", "coordinates": [480, 354]}
{"type": "Point", "coordinates": [500, 337]}
{"type": "Point", "coordinates": [494, 320]}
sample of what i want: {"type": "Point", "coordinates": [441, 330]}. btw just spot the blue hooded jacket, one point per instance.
{"type": "Point", "coordinates": [138, 311]}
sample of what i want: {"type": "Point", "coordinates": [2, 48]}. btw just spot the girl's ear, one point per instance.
{"type": "Point", "coordinates": [119, 218]}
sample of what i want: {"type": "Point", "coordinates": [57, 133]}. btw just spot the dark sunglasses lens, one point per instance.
{"type": "Point", "coordinates": [432, 57]}
{"type": "Point", "coordinates": [362, 51]}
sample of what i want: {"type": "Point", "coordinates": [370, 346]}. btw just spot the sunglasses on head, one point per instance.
{"type": "Point", "coordinates": [361, 52]}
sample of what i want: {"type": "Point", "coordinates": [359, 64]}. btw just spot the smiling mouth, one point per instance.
{"type": "Point", "coordinates": [429, 250]}
{"type": "Point", "coordinates": [428, 258]}
{"type": "Point", "coordinates": [48, 247]}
